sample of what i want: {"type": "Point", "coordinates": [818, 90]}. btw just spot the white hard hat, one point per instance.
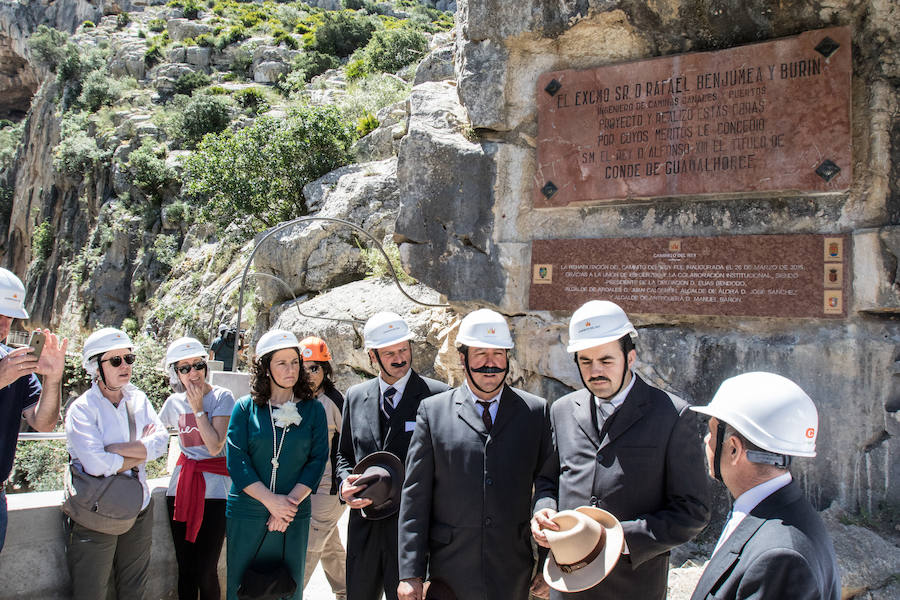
{"type": "Point", "coordinates": [12, 295]}
{"type": "Point", "coordinates": [100, 342]}
{"type": "Point", "coordinates": [598, 322]}
{"type": "Point", "coordinates": [385, 329]}
{"type": "Point", "coordinates": [484, 328]}
{"type": "Point", "coordinates": [277, 339]}
{"type": "Point", "coordinates": [180, 349]}
{"type": "Point", "coordinates": [769, 410]}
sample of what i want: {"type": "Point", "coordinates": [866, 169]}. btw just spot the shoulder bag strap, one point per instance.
{"type": "Point", "coordinates": [132, 428]}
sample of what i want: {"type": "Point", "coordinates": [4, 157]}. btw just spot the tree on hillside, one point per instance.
{"type": "Point", "coordinates": [256, 174]}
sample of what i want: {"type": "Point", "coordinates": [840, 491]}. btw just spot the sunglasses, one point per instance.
{"type": "Point", "coordinates": [311, 368]}
{"type": "Point", "coordinates": [116, 361]}
{"type": "Point", "coordinates": [197, 366]}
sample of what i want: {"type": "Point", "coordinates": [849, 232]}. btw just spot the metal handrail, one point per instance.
{"type": "Point", "coordinates": [353, 226]}
{"type": "Point", "coordinates": [39, 436]}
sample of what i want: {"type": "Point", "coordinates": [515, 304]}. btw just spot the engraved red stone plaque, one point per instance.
{"type": "Point", "coordinates": [743, 275]}
{"type": "Point", "coordinates": [767, 117]}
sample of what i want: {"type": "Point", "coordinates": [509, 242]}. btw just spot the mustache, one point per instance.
{"type": "Point", "coordinates": [398, 365]}
{"type": "Point", "coordinates": [599, 378]}
{"type": "Point", "coordinates": [489, 370]}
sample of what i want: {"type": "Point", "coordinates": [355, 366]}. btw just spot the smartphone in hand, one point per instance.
{"type": "Point", "coordinates": [36, 342]}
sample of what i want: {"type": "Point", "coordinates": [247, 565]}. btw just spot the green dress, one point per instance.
{"type": "Point", "coordinates": [249, 459]}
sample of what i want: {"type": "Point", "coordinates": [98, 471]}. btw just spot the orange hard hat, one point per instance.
{"type": "Point", "coordinates": [314, 348]}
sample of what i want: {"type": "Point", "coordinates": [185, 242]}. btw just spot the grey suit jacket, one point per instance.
{"type": "Point", "coordinates": [648, 471]}
{"type": "Point", "coordinates": [464, 516]}
{"type": "Point", "coordinates": [780, 551]}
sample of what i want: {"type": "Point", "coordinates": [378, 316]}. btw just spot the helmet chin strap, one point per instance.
{"type": "Point", "coordinates": [717, 456]}
{"type": "Point", "coordinates": [472, 379]}
{"type": "Point", "coordinates": [103, 378]}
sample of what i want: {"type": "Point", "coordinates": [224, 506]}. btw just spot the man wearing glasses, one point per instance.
{"type": "Point", "coordinates": [21, 394]}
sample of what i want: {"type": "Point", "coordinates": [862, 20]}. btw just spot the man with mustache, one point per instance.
{"type": "Point", "coordinates": [470, 473]}
{"type": "Point", "coordinates": [379, 415]}
{"type": "Point", "coordinates": [628, 448]}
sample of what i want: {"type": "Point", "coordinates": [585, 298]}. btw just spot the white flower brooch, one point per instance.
{"type": "Point", "coordinates": [286, 415]}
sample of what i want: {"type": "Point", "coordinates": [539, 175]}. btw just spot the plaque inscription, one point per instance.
{"type": "Point", "coordinates": [744, 275]}
{"type": "Point", "coordinates": [773, 116]}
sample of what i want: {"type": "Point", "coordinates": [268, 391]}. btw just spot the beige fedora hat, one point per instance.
{"type": "Point", "coordinates": [584, 550]}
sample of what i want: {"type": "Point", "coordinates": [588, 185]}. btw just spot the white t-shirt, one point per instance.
{"type": "Point", "coordinates": [178, 414]}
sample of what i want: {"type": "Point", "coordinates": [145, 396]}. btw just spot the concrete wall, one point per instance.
{"type": "Point", "coordinates": [33, 561]}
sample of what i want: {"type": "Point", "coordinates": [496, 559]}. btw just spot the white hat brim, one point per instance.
{"type": "Point", "coordinates": [14, 313]}
{"type": "Point", "coordinates": [380, 345]}
{"type": "Point", "coordinates": [589, 576]}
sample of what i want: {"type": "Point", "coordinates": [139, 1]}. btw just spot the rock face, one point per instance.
{"type": "Point", "coordinates": [316, 255]}
{"type": "Point", "coordinates": [466, 171]}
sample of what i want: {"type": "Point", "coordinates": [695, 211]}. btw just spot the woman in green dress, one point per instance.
{"type": "Point", "coordinates": [276, 451]}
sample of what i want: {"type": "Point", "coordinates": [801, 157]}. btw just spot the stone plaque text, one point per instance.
{"type": "Point", "coordinates": [767, 117]}
{"type": "Point", "coordinates": [744, 275]}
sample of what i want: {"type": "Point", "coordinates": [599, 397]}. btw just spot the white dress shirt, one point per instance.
{"type": "Point", "coordinates": [495, 402]}
{"type": "Point", "coordinates": [748, 501]}
{"type": "Point", "coordinates": [398, 385]}
{"type": "Point", "coordinates": [93, 422]}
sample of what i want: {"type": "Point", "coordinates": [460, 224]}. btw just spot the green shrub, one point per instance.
{"type": "Point", "coordinates": [165, 250]}
{"type": "Point", "coordinates": [40, 465]}
{"type": "Point", "coordinates": [342, 33]}
{"type": "Point", "coordinates": [148, 169]}
{"type": "Point", "coordinates": [123, 20]}
{"type": "Point", "coordinates": [258, 173]}
{"type": "Point", "coordinates": [130, 326]}
{"type": "Point", "coordinates": [283, 37]}
{"type": "Point", "coordinates": [88, 25]}
{"type": "Point", "coordinates": [188, 82]}
{"type": "Point", "coordinates": [232, 35]}
{"type": "Point", "coordinates": [371, 94]}
{"type": "Point", "coordinates": [365, 124]}
{"type": "Point", "coordinates": [376, 266]}
{"type": "Point", "coordinates": [48, 46]}
{"type": "Point", "coordinates": [147, 374]}
{"type": "Point", "coordinates": [390, 50]}
{"type": "Point", "coordinates": [204, 114]}
{"type": "Point", "coordinates": [216, 90]}
{"type": "Point", "coordinates": [156, 25]}
{"type": "Point", "coordinates": [252, 100]}
{"type": "Point", "coordinates": [152, 55]}
{"type": "Point", "coordinates": [42, 242]}
{"type": "Point", "coordinates": [205, 40]}
{"type": "Point", "coordinates": [356, 69]}
{"type": "Point", "coordinates": [306, 66]}
{"type": "Point", "coordinates": [77, 152]}
{"type": "Point", "coordinates": [191, 9]}
{"type": "Point", "coordinates": [10, 139]}
{"type": "Point", "coordinates": [179, 213]}
{"type": "Point", "coordinates": [241, 60]}
{"type": "Point", "coordinates": [99, 89]}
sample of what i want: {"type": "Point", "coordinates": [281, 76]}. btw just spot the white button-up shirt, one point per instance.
{"type": "Point", "coordinates": [93, 422]}
{"type": "Point", "coordinates": [748, 501]}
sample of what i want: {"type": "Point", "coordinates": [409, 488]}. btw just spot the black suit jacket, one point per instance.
{"type": "Point", "coordinates": [648, 471]}
{"type": "Point", "coordinates": [360, 430]}
{"type": "Point", "coordinates": [781, 550]}
{"type": "Point", "coordinates": [466, 506]}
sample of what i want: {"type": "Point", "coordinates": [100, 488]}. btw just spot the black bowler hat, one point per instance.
{"type": "Point", "coordinates": [382, 475]}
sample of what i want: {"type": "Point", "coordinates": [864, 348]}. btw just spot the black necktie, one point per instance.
{"type": "Point", "coordinates": [387, 405]}
{"type": "Point", "coordinates": [486, 415]}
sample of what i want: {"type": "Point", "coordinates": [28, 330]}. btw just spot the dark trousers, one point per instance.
{"type": "Point", "coordinates": [372, 558]}
{"type": "Point", "coordinates": [105, 566]}
{"type": "Point", "coordinates": [198, 561]}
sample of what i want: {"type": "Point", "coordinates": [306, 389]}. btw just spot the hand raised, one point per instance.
{"type": "Point", "coordinates": [16, 364]}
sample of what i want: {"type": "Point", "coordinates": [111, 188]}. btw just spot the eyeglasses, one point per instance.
{"type": "Point", "coordinates": [116, 361]}
{"type": "Point", "coordinates": [197, 366]}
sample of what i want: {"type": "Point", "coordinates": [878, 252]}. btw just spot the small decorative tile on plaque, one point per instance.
{"type": "Point", "coordinates": [834, 302]}
{"type": "Point", "coordinates": [543, 274]}
{"type": "Point", "coordinates": [834, 249]}
{"type": "Point", "coordinates": [834, 275]}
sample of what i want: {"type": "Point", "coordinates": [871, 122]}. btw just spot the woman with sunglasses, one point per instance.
{"type": "Point", "coordinates": [200, 483]}
{"type": "Point", "coordinates": [277, 448]}
{"type": "Point", "coordinates": [100, 442]}
{"type": "Point", "coordinates": [324, 540]}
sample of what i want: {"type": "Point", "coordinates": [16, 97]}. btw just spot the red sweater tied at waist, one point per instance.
{"type": "Point", "coordinates": [190, 493]}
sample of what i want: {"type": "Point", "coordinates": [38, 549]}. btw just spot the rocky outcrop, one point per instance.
{"type": "Point", "coordinates": [314, 256]}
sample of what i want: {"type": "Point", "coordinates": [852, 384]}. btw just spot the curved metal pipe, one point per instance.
{"type": "Point", "coordinates": [212, 317]}
{"type": "Point", "coordinates": [353, 226]}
